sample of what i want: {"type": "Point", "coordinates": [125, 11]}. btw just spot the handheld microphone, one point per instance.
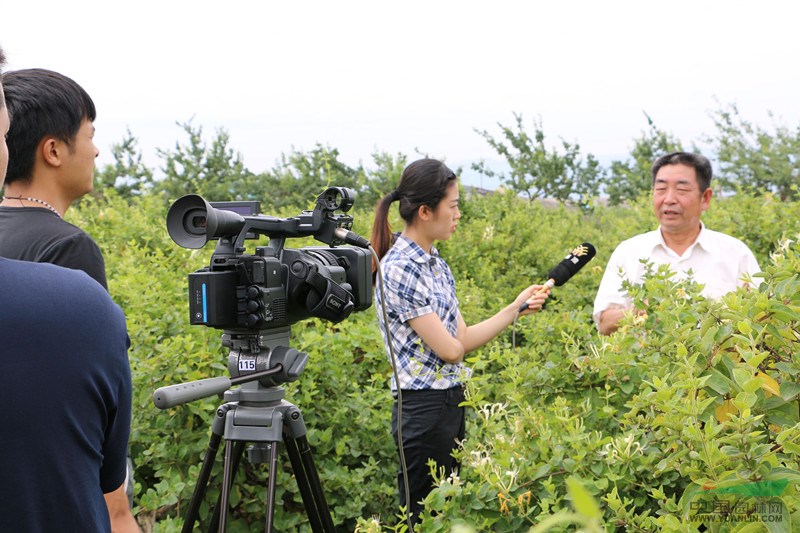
{"type": "Point", "coordinates": [568, 267]}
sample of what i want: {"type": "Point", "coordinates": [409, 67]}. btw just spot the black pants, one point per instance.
{"type": "Point", "coordinates": [432, 422]}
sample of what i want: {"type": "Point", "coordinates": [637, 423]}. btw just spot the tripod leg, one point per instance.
{"type": "Point", "coordinates": [205, 471]}
{"type": "Point", "coordinates": [273, 471]}
{"type": "Point", "coordinates": [233, 455]}
{"type": "Point", "coordinates": [308, 481]}
{"type": "Point", "coordinates": [202, 484]}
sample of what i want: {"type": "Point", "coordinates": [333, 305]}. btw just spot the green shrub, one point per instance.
{"type": "Point", "coordinates": [643, 423]}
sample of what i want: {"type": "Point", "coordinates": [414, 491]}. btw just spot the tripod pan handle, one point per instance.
{"type": "Point", "coordinates": [173, 395]}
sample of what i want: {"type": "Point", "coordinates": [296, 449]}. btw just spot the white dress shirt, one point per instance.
{"type": "Point", "coordinates": [718, 261]}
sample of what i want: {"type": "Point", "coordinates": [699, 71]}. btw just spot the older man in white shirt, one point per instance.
{"type": "Point", "coordinates": [681, 192]}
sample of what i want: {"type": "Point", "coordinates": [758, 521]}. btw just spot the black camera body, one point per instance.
{"type": "Point", "coordinates": [276, 286]}
{"type": "Point", "coordinates": [255, 298]}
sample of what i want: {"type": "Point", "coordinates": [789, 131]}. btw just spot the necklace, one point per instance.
{"type": "Point", "coordinates": [48, 206]}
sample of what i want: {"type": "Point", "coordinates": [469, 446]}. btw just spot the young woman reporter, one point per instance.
{"type": "Point", "coordinates": [427, 333]}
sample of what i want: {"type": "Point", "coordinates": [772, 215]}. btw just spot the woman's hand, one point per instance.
{"type": "Point", "coordinates": [535, 296]}
{"type": "Point", "coordinates": [479, 334]}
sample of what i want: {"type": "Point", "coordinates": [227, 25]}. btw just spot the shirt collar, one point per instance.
{"type": "Point", "coordinates": [413, 250]}
{"type": "Point", "coordinates": [704, 239]}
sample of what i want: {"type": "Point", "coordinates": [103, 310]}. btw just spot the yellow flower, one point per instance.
{"type": "Point", "coordinates": [504, 503]}
{"type": "Point", "coordinates": [524, 499]}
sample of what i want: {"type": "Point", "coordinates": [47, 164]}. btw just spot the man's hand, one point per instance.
{"type": "Point", "coordinates": [609, 319]}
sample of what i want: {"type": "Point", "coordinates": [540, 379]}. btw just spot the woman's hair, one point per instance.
{"type": "Point", "coordinates": [424, 182]}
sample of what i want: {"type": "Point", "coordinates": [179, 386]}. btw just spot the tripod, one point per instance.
{"type": "Point", "coordinates": [255, 413]}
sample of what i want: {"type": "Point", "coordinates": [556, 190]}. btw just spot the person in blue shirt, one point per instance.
{"type": "Point", "coordinates": [428, 335]}
{"type": "Point", "coordinates": [66, 394]}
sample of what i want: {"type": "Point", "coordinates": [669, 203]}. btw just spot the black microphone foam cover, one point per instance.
{"type": "Point", "coordinates": [570, 265]}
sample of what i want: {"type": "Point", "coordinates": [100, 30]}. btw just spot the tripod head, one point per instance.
{"type": "Point", "coordinates": [263, 357]}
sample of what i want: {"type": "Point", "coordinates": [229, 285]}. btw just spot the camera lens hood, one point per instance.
{"type": "Point", "coordinates": [192, 222]}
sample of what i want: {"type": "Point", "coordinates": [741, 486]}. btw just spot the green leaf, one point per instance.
{"type": "Point", "coordinates": [717, 381]}
{"type": "Point", "coordinates": [784, 473]}
{"type": "Point", "coordinates": [787, 368]}
{"type": "Point", "coordinates": [775, 516]}
{"type": "Point", "coordinates": [627, 386]}
{"type": "Point", "coordinates": [756, 359]}
{"type": "Point", "coordinates": [682, 351]}
{"type": "Point", "coordinates": [752, 385]}
{"type": "Point", "coordinates": [744, 327]}
{"type": "Point", "coordinates": [742, 376]}
{"type": "Point", "coordinates": [791, 447]}
{"type": "Point", "coordinates": [582, 500]}
{"type": "Point", "coordinates": [745, 400]}
{"type": "Point", "coordinates": [687, 498]}
{"type": "Point", "coordinates": [750, 527]}
{"type": "Point", "coordinates": [789, 390]}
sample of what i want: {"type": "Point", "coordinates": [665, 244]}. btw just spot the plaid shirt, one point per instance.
{"type": "Point", "coordinates": [415, 284]}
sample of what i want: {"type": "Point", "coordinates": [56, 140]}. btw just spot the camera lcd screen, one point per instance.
{"type": "Point", "coordinates": [244, 208]}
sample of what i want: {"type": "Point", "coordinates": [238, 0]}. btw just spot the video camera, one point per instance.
{"type": "Point", "coordinates": [255, 299]}
{"type": "Point", "coordinates": [275, 287]}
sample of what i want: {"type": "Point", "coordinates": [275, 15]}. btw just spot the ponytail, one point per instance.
{"type": "Point", "coordinates": [381, 239]}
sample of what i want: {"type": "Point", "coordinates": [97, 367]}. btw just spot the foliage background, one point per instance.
{"type": "Point", "coordinates": [567, 429]}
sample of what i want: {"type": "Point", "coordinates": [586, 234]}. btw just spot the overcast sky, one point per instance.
{"type": "Point", "coordinates": [411, 76]}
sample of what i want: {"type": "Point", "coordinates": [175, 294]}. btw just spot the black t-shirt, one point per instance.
{"type": "Point", "coordinates": [39, 235]}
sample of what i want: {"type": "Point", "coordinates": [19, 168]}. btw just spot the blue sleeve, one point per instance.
{"type": "Point", "coordinates": [117, 433]}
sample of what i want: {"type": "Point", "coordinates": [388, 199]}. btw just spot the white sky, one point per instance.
{"type": "Point", "coordinates": [412, 75]}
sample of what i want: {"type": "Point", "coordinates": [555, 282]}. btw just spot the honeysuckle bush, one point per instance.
{"type": "Point", "coordinates": [687, 400]}
{"type": "Point", "coordinates": [691, 398]}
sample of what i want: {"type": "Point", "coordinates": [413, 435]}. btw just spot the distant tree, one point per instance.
{"type": "Point", "coordinates": [300, 177]}
{"type": "Point", "coordinates": [128, 175]}
{"type": "Point", "coordinates": [213, 170]}
{"type": "Point", "coordinates": [216, 172]}
{"type": "Point", "coordinates": [755, 160]}
{"type": "Point", "coordinates": [382, 179]}
{"type": "Point", "coordinates": [631, 178]}
{"type": "Point", "coordinates": [539, 172]}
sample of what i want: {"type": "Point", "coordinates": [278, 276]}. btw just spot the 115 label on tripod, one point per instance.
{"type": "Point", "coordinates": [247, 365]}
